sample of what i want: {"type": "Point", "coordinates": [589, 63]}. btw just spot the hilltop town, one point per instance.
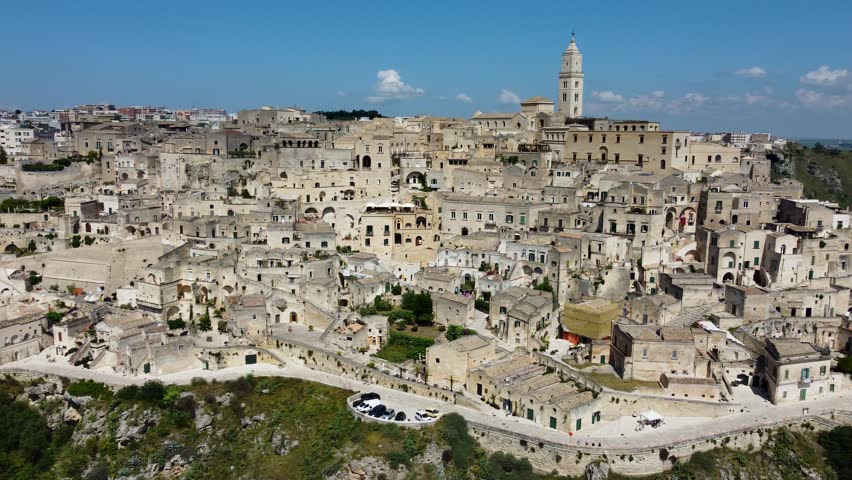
{"type": "Point", "coordinates": [580, 289]}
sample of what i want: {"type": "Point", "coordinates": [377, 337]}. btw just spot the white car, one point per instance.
{"type": "Point", "coordinates": [368, 405]}
{"type": "Point", "coordinates": [421, 416]}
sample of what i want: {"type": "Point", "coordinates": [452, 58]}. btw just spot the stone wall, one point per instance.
{"type": "Point", "coordinates": [572, 456]}
{"type": "Point", "coordinates": [330, 362]}
{"type": "Point", "coordinates": [34, 181]}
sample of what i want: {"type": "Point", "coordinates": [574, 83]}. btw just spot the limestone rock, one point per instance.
{"type": "Point", "coordinates": [38, 392]}
{"type": "Point", "coordinates": [368, 468]}
{"type": "Point", "coordinates": [281, 444]}
{"type": "Point", "coordinates": [597, 471]}
{"type": "Point", "coordinates": [132, 429]}
{"type": "Point", "coordinates": [202, 420]}
{"type": "Point", "coordinates": [224, 400]}
{"type": "Point", "coordinates": [77, 402]}
{"type": "Point", "coordinates": [71, 415]}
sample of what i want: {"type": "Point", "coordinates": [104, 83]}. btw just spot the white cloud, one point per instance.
{"type": "Point", "coordinates": [508, 97]}
{"type": "Point", "coordinates": [819, 100]}
{"type": "Point", "coordinates": [649, 101]}
{"type": "Point", "coordinates": [391, 87]}
{"type": "Point", "coordinates": [824, 76]}
{"type": "Point", "coordinates": [342, 93]}
{"type": "Point", "coordinates": [464, 98]}
{"type": "Point", "coordinates": [608, 96]}
{"type": "Point", "coordinates": [688, 102]}
{"type": "Point", "coordinates": [755, 99]}
{"type": "Point", "coordinates": [753, 72]}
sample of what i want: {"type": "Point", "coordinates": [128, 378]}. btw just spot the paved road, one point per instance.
{"type": "Point", "coordinates": [493, 418]}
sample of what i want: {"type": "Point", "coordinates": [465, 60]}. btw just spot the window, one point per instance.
{"type": "Point", "coordinates": [757, 244]}
{"type": "Point", "coordinates": [510, 219]}
{"type": "Point", "coordinates": [453, 214]}
{"type": "Point", "coordinates": [641, 138]}
{"type": "Point", "coordinates": [674, 354]}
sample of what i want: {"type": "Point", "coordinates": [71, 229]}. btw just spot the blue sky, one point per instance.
{"type": "Point", "coordinates": [782, 66]}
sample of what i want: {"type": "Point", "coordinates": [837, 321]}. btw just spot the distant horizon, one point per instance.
{"type": "Point", "coordinates": [408, 61]}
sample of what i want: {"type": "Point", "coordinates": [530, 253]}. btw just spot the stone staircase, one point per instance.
{"type": "Point", "coordinates": [688, 316]}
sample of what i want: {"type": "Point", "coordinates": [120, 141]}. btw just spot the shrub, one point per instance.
{"type": "Point", "coordinates": [242, 386]}
{"type": "Point", "coordinates": [89, 388]}
{"type": "Point", "coordinates": [836, 444]}
{"type": "Point", "coordinates": [453, 429]}
{"type": "Point", "coordinates": [844, 365]}
{"type": "Point", "coordinates": [53, 317]}
{"type": "Point", "coordinates": [176, 323]}
{"type": "Point", "coordinates": [151, 391]}
{"type": "Point", "coordinates": [128, 393]}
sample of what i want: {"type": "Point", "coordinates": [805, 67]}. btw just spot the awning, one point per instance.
{"type": "Point", "coordinates": [650, 416]}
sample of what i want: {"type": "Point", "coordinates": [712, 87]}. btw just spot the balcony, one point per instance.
{"type": "Point", "coordinates": [804, 382]}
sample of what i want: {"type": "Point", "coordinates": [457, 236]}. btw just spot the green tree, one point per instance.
{"type": "Point", "coordinates": [53, 317]}
{"type": "Point", "coordinates": [844, 365]}
{"type": "Point", "coordinates": [4, 158]}
{"type": "Point", "coordinates": [176, 323]}
{"type": "Point", "coordinates": [543, 286]}
{"type": "Point", "coordinates": [420, 304]}
{"type": "Point", "coordinates": [836, 445]}
{"type": "Point", "coordinates": [31, 246]}
{"type": "Point", "coordinates": [204, 323]}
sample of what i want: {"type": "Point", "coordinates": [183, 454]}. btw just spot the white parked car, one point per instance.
{"type": "Point", "coordinates": [368, 405]}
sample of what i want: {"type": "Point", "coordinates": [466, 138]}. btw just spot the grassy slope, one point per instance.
{"type": "Point", "coordinates": [329, 437]}
{"type": "Point", "coordinates": [315, 415]}
{"type": "Point", "coordinates": [839, 161]}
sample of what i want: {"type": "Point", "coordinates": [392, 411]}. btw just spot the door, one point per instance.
{"type": "Point", "coordinates": [553, 422]}
{"type": "Point", "coordinates": [803, 394]}
{"type": "Point", "coordinates": [251, 359]}
{"type": "Point", "coordinates": [479, 389]}
{"type": "Point", "coordinates": [146, 368]}
{"type": "Point", "coordinates": [603, 358]}
{"type": "Point", "coordinates": [530, 415]}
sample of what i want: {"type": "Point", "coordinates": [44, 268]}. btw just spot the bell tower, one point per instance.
{"type": "Point", "coordinates": [571, 81]}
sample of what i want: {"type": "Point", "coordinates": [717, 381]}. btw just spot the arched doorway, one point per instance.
{"type": "Point", "coordinates": [464, 231]}
{"type": "Point", "coordinates": [172, 312]}
{"type": "Point", "coordinates": [728, 278]}
{"type": "Point", "coordinates": [294, 317]}
{"type": "Point", "coordinates": [671, 216]}
{"type": "Point", "coordinates": [366, 162]}
{"type": "Point", "coordinates": [329, 215]}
